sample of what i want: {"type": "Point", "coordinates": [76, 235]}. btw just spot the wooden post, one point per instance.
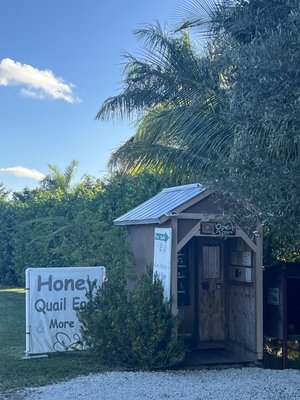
{"type": "Point", "coordinates": [284, 327]}
{"type": "Point", "coordinates": [174, 226]}
{"type": "Point", "coordinates": [259, 293]}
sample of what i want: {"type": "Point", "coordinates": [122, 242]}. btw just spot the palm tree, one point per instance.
{"type": "Point", "coordinates": [175, 94]}
{"type": "Point", "coordinates": [227, 114]}
{"type": "Point", "coordinates": [188, 117]}
{"type": "Point", "coordinates": [58, 179]}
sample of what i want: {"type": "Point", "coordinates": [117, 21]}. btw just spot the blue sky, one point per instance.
{"type": "Point", "coordinates": [59, 60]}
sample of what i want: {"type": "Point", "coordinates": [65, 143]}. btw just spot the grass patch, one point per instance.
{"type": "Point", "coordinates": [17, 373]}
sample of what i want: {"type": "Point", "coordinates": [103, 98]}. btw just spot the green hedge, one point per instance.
{"type": "Point", "coordinates": [43, 228]}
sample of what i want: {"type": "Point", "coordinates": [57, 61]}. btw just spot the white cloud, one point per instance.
{"type": "Point", "coordinates": [38, 83]}
{"type": "Point", "coordinates": [23, 172]}
{"type": "Point", "coordinates": [31, 93]}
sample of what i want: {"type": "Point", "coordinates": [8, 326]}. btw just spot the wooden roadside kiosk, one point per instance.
{"type": "Point", "coordinates": [215, 272]}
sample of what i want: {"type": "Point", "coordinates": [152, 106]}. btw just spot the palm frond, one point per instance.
{"type": "Point", "coordinates": [170, 137]}
{"type": "Point", "coordinates": [177, 94]}
{"type": "Point", "coordinates": [165, 74]}
{"type": "Point", "coordinates": [200, 14]}
{"type": "Point", "coordinates": [70, 172]}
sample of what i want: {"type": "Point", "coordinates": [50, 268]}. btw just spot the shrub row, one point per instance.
{"type": "Point", "coordinates": [44, 228]}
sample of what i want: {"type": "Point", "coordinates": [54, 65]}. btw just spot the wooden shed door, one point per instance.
{"type": "Point", "coordinates": [211, 294]}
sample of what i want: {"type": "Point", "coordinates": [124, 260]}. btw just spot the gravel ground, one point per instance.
{"type": "Point", "coordinates": [231, 384]}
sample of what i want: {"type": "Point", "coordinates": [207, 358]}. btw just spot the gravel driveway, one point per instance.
{"type": "Point", "coordinates": [233, 384]}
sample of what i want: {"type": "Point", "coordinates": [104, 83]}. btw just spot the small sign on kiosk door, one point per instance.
{"type": "Point", "coordinates": [211, 262]}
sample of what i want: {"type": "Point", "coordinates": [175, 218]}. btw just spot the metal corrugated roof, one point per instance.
{"type": "Point", "coordinates": [162, 204]}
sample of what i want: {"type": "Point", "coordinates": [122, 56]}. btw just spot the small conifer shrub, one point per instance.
{"type": "Point", "coordinates": [134, 329]}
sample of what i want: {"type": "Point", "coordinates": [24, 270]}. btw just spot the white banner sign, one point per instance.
{"type": "Point", "coordinates": [162, 258]}
{"type": "Point", "coordinates": [53, 297]}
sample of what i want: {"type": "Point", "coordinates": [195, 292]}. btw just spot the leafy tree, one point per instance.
{"type": "Point", "coordinates": [24, 195]}
{"type": "Point", "coordinates": [7, 218]}
{"type": "Point", "coordinates": [3, 192]}
{"type": "Point", "coordinates": [257, 43]}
